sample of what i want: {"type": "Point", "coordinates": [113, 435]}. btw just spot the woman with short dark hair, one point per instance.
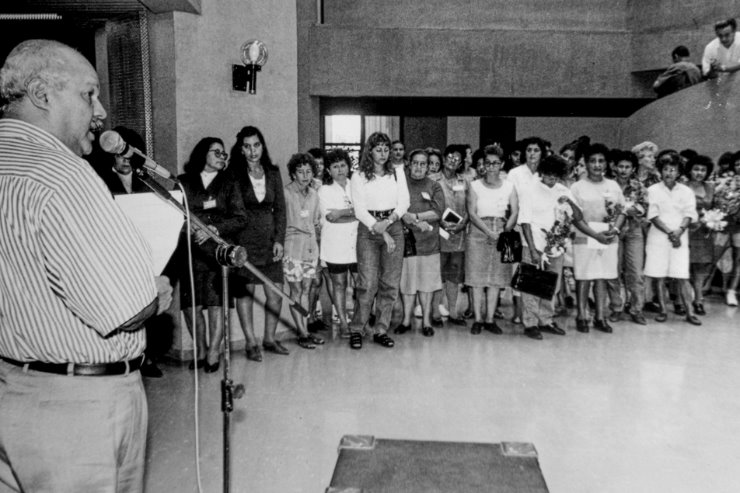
{"type": "Point", "coordinates": [338, 230]}
{"type": "Point", "coordinates": [602, 203]}
{"type": "Point", "coordinates": [701, 239]}
{"type": "Point", "coordinates": [671, 209]}
{"type": "Point", "coordinates": [216, 200]}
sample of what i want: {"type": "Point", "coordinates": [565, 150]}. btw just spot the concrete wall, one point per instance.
{"type": "Point", "coordinates": [562, 130]}
{"type": "Point", "coordinates": [659, 26]}
{"type": "Point", "coordinates": [704, 117]}
{"type": "Point", "coordinates": [579, 15]}
{"type": "Point", "coordinates": [191, 59]}
{"type": "Point", "coordinates": [349, 61]}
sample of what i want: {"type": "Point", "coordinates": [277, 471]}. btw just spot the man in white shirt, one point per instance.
{"type": "Point", "coordinates": [722, 54]}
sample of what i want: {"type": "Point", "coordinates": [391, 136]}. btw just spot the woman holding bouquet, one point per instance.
{"type": "Point", "coordinates": [671, 208]}
{"type": "Point", "coordinates": [631, 245]}
{"type": "Point", "coordinates": [701, 239]}
{"type": "Point", "coordinates": [594, 262]}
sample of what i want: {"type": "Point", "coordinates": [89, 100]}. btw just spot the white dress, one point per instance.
{"type": "Point", "coordinates": [671, 207]}
{"type": "Point", "coordinates": [592, 260]}
{"type": "Point", "coordinates": [338, 240]}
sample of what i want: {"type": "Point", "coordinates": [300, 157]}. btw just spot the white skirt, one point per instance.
{"type": "Point", "coordinates": [662, 260]}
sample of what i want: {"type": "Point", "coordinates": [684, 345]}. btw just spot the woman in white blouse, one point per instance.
{"type": "Point", "coordinates": [338, 230]}
{"type": "Point", "coordinates": [671, 208]}
{"type": "Point", "coordinates": [381, 198]}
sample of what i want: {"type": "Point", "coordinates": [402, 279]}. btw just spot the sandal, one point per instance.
{"type": "Point", "coordinates": [305, 343]}
{"type": "Point", "coordinates": [383, 340]}
{"type": "Point", "coordinates": [316, 339]}
{"type": "Point", "coordinates": [275, 347]}
{"type": "Point", "coordinates": [355, 340]}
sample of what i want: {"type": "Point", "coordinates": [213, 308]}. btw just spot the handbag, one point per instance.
{"type": "Point", "coordinates": [510, 246]}
{"type": "Point", "coordinates": [529, 279]}
{"type": "Point", "coordinates": [409, 242]}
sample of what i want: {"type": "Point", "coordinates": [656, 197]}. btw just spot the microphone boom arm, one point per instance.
{"type": "Point", "coordinates": [227, 254]}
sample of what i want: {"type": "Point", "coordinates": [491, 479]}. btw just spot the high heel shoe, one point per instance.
{"type": "Point", "coordinates": [211, 368]}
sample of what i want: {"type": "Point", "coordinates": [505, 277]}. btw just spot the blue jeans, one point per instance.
{"type": "Point", "coordinates": [631, 265]}
{"type": "Point", "coordinates": [379, 273]}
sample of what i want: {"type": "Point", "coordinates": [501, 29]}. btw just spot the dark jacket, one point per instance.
{"type": "Point", "coordinates": [265, 221]}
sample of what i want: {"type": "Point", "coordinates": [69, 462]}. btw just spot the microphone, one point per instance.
{"type": "Point", "coordinates": [112, 142]}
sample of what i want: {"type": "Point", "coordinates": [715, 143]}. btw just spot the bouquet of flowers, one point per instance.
{"type": "Point", "coordinates": [613, 210]}
{"type": "Point", "coordinates": [713, 219]}
{"type": "Point", "coordinates": [559, 234]}
{"type": "Point", "coordinates": [727, 194]}
{"type": "Point", "coordinates": [635, 195]}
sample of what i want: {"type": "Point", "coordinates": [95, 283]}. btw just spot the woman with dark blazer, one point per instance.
{"type": "Point", "coordinates": [216, 200]}
{"type": "Point", "coordinates": [262, 234]}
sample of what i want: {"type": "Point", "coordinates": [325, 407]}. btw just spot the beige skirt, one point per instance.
{"type": "Point", "coordinates": [483, 267]}
{"type": "Point", "coordinates": [421, 273]}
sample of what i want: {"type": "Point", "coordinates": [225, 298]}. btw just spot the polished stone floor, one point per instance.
{"type": "Point", "coordinates": [651, 408]}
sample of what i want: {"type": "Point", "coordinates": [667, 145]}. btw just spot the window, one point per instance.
{"type": "Point", "coordinates": [349, 132]}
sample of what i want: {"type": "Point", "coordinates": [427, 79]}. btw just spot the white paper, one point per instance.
{"type": "Point", "coordinates": [591, 242]}
{"type": "Point", "coordinates": [158, 221]}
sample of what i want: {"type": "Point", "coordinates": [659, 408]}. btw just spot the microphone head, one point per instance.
{"type": "Point", "coordinates": [112, 142]}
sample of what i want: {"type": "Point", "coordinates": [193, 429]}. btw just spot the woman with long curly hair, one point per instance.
{"type": "Point", "coordinates": [381, 198]}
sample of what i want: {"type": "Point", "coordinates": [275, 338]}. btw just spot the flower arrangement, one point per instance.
{"type": "Point", "coordinates": [713, 219]}
{"type": "Point", "coordinates": [559, 234]}
{"type": "Point", "coordinates": [727, 194]}
{"type": "Point", "coordinates": [613, 210]}
{"type": "Point", "coordinates": [635, 195]}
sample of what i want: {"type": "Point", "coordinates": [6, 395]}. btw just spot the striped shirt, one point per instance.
{"type": "Point", "coordinates": [73, 268]}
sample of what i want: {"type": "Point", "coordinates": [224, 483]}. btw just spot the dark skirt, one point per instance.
{"type": "Point", "coordinates": [241, 277]}
{"type": "Point", "coordinates": [701, 246]}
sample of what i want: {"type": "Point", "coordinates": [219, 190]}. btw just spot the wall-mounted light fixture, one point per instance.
{"type": "Point", "coordinates": [254, 56]}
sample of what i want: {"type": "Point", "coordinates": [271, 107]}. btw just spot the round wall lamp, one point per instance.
{"type": "Point", "coordinates": [254, 56]}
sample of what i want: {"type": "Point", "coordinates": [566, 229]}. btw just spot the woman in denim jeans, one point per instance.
{"type": "Point", "coordinates": [381, 198]}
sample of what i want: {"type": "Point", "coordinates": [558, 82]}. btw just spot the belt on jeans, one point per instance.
{"type": "Point", "coordinates": [78, 369]}
{"type": "Point", "coordinates": [380, 215]}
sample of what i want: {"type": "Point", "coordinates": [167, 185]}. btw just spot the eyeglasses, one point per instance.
{"type": "Point", "coordinates": [219, 153]}
{"type": "Point", "coordinates": [492, 164]}
{"type": "Point", "coordinates": [419, 164]}
{"type": "Point", "coordinates": [453, 159]}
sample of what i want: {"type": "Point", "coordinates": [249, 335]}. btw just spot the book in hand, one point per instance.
{"type": "Point", "coordinates": [451, 216]}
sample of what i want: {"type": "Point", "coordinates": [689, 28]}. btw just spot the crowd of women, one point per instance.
{"type": "Point", "coordinates": [410, 231]}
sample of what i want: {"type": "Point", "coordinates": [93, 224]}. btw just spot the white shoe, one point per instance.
{"type": "Point", "coordinates": [443, 311]}
{"type": "Point", "coordinates": [731, 298]}
{"type": "Point", "coordinates": [417, 311]}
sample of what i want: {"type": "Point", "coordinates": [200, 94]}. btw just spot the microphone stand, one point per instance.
{"type": "Point", "coordinates": [227, 255]}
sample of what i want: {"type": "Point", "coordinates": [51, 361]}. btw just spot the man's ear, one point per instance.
{"type": "Point", "coordinates": [38, 92]}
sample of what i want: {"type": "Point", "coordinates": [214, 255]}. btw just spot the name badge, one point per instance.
{"type": "Point", "coordinates": [458, 188]}
{"type": "Point", "coordinates": [209, 204]}
{"type": "Point", "coordinates": [425, 196]}
{"type": "Point", "coordinates": [304, 213]}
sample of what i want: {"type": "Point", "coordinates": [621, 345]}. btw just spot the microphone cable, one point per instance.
{"type": "Point", "coordinates": [196, 394]}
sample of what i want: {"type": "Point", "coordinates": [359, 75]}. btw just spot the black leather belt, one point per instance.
{"type": "Point", "coordinates": [380, 215]}
{"type": "Point", "coordinates": [77, 369]}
